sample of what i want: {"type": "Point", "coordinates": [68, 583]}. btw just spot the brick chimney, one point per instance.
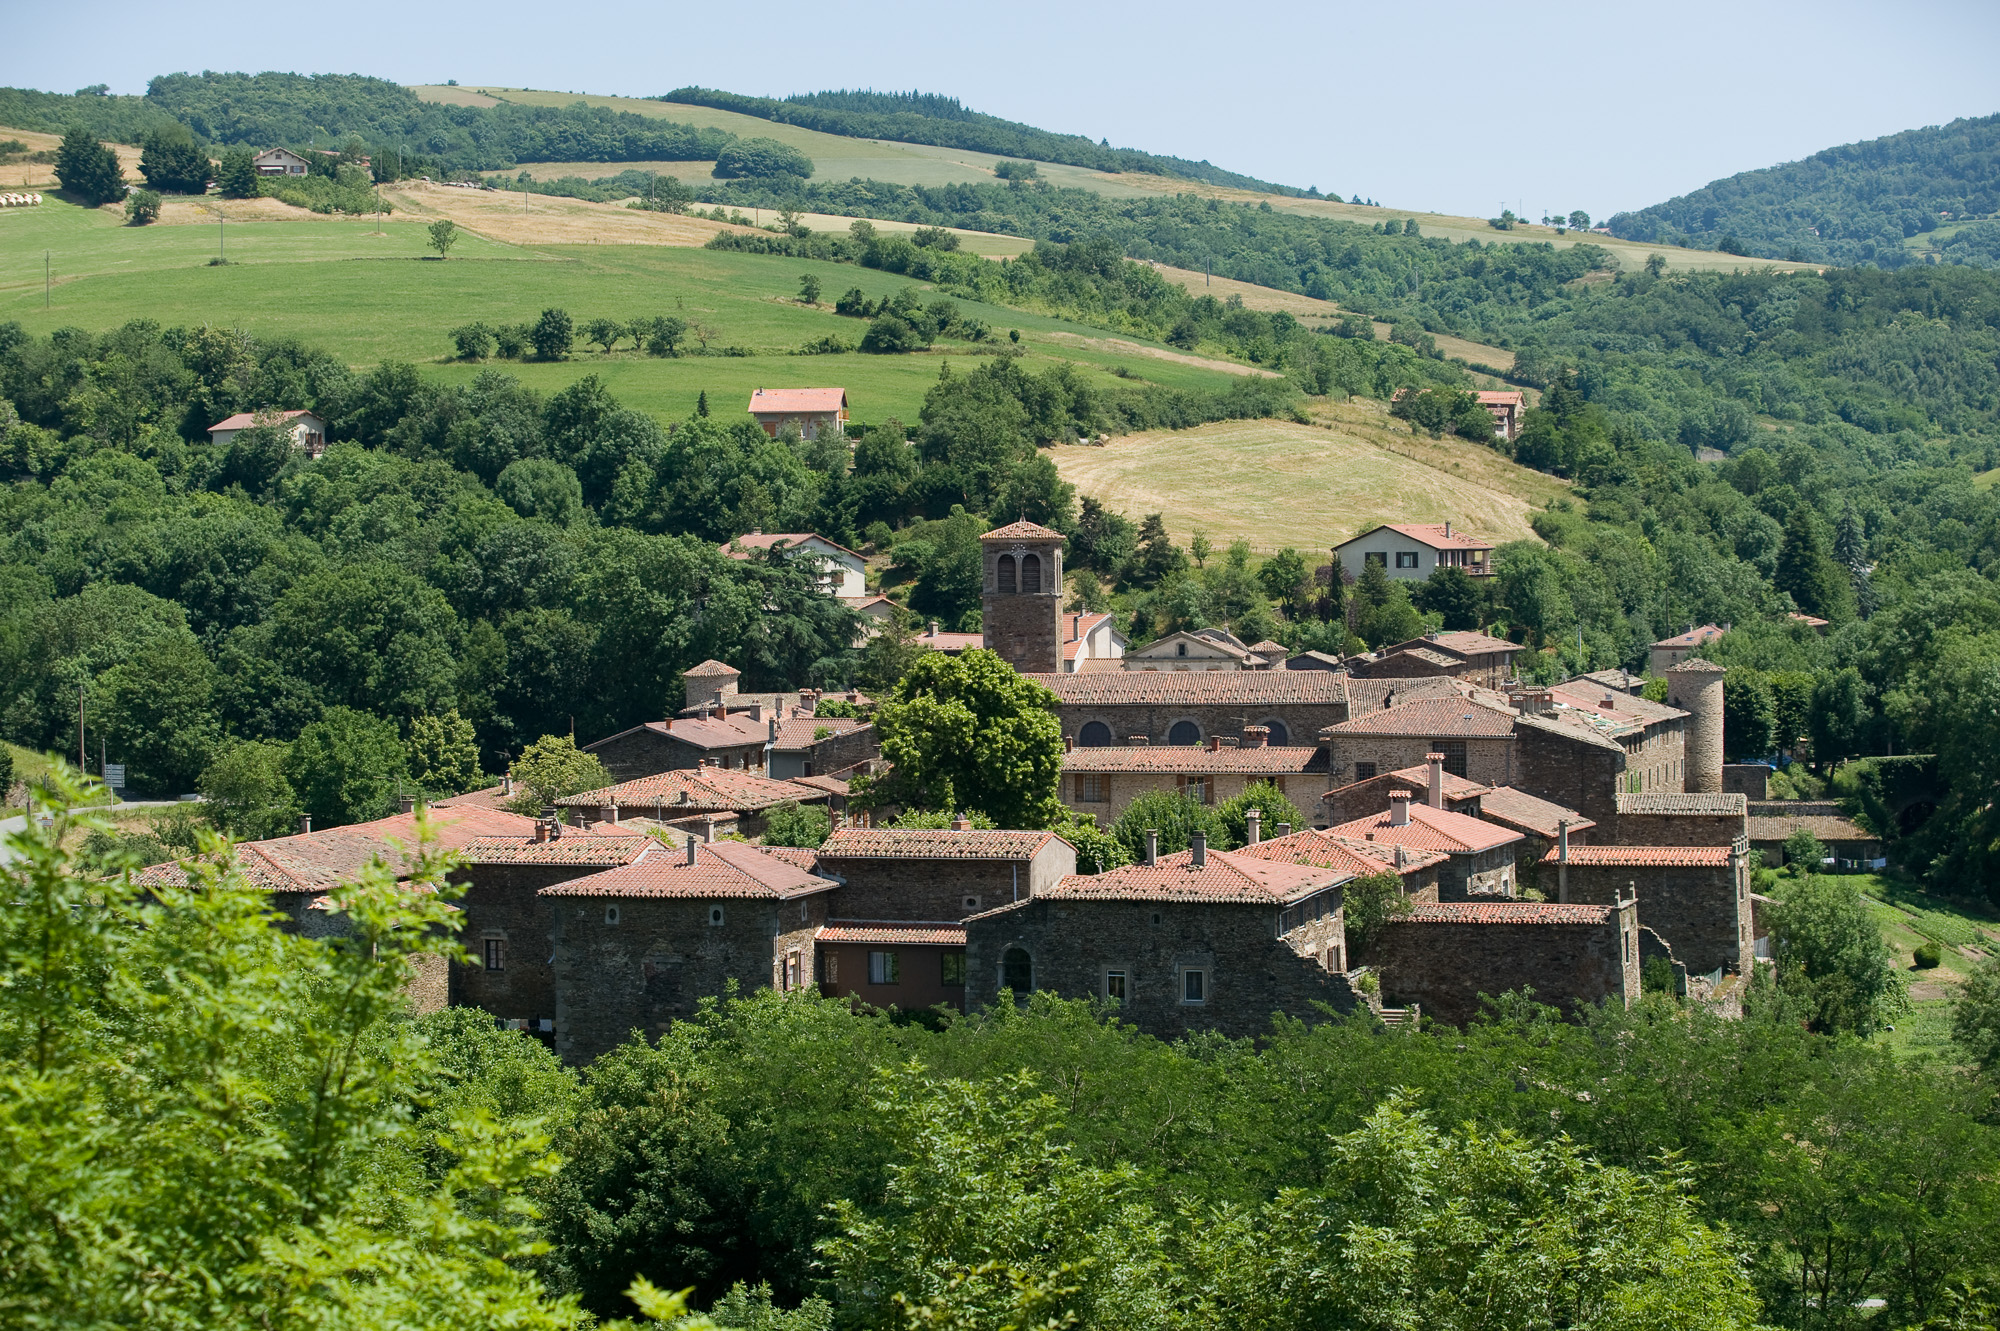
{"type": "Point", "coordinates": [541, 830]}
{"type": "Point", "coordinates": [1253, 824]}
{"type": "Point", "coordinates": [757, 711]}
{"type": "Point", "coordinates": [1069, 744]}
{"type": "Point", "coordinates": [1434, 792]}
{"type": "Point", "coordinates": [1152, 846]}
{"type": "Point", "coordinates": [1399, 808]}
{"type": "Point", "coordinates": [1198, 849]}
{"type": "Point", "coordinates": [1256, 737]}
{"type": "Point", "coordinates": [960, 823]}
{"type": "Point", "coordinates": [1215, 744]}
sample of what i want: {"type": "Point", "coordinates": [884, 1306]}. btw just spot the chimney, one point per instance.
{"type": "Point", "coordinates": [1609, 704]}
{"type": "Point", "coordinates": [1399, 808]}
{"type": "Point", "coordinates": [305, 824]}
{"type": "Point", "coordinates": [691, 851]}
{"type": "Point", "coordinates": [1256, 737]}
{"type": "Point", "coordinates": [406, 804]}
{"type": "Point", "coordinates": [1562, 861]}
{"type": "Point", "coordinates": [960, 823]}
{"type": "Point", "coordinates": [717, 703]}
{"type": "Point", "coordinates": [1434, 794]}
{"type": "Point", "coordinates": [541, 830]}
{"type": "Point", "coordinates": [1069, 744]}
{"type": "Point", "coordinates": [1152, 846]}
{"type": "Point", "coordinates": [1215, 744]}
{"type": "Point", "coordinates": [934, 628]}
{"type": "Point", "coordinates": [1253, 824]}
{"type": "Point", "coordinates": [1284, 829]}
{"type": "Point", "coordinates": [1198, 848]}
{"type": "Point", "coordinates": [1401, 857]}
{"type": "Point", "coordinates": [1136, 741]}
{"type": "Point", "coordinates": [1447, 528]}
{"type": "Point", "coordinates": [611, 813]}
{"type": "Point", "coordinates": [507, 785]}
{"type": "Point", "coordinates": [707, 832]}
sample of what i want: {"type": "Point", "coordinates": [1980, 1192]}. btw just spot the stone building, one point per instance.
{"type": "Point", "coordinates": [1359, 799]}
{"type": "Point", "coordinates": [911, 874]}
{"type": "Point", "coordinates": [1418, 870]}
{"type": "Point", "coordinates": [1541, 823]}
{"type": "Point", "coordinates": [1445, 956]}
{"type": "Point", "coordinates": [903, 964]}
{"type": "Point", "coordinates": [1695, 686]}
{"type": "Point", "coordinates": [1103, 708]}
{"type": "Point", "coordinates": [1198, 649]}
{"type": "Point", "coordinates": [1212, 942]}
{"type": "Point", "coordinates": [1475, 658]}
{"type": "Point", "coordinates": [736, 741]}
{"type": "Point", "coordinates": [1574, 765]}
{"type": "Point", "coordinates": [1697, 898]}
{"type": "Point", "coordinates": [1669, 652]}
{"type": "Point", "coordinates": [678, 796]}
{"type": "Point", "coordinates": [805, 745]}
{"type": "Point", "coordinates": [1482, 853]}
{"type": "Point", "coordinates": [1476, 738]}
{"type": "Point", "coordinates": [1102, 781]}
{"type": "Point", "coordinates": [1848, 844]}
{"type": "Point", "coordinates": [1021, 604]}
{"type": "Point", "coordinates": [1677, 820]}
{"type": "Point", "coordinates": [639, 946]}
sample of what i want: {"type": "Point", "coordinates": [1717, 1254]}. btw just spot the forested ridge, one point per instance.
{"type": "Point", "coordinates": [1855, 204]}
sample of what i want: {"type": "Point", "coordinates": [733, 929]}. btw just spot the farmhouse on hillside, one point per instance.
{"type": "Point", "coordinates": [281, 162]}
{"type": "Point", "coordinates": [1670, 652]}
{"type": "Point", "coordinates": [1412, 551]}
{"type": "Point", "coordinates": [843, 574]}
{"type": "Point", "coordinates": [1505, 407]}
{"type": "Point", "coordinates": [308, 430]}
{"type": "Point", "coordinates": [811, 411]}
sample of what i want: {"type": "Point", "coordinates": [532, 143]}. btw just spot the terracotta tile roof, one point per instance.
{"type": "Point", "coordinates": [1429, 829]}
{"type": "Point", "coordinates": [1022, 531]}
{"type": "Point", "coordinates": [730, 731]}
{"type": "Point", "coordinates": [1624, 708]}
{"type": "Point", "coordinates": [895, 843]}
{"type": "Point", "coordinates": [1079, 626]}
{"type": "Point", "coordinates": [1198, 688]}
{"type": "Point", "coordinates": [1451, 717]}
{"type": "Point", "coordinates": [721, 869]}
{"type": "Point", "coordinates": [768, 400]}
{"type": "Point", "coordinates": [797, 732]}
{"type": "Point", "coordinates": [711, 667]}
{"type": "Point", "coordinates": [1416, 780]}
{"type": "Point", "coordinates": [738, 547]}
{"type": "Point", "coordinates": [319, 861]}
{"type": "Point", "coordinates": [606, 844]}
{"type": "Point", "coordinates": [1501, 397]}
{"type": "Point", "coordinates": [1426, 654]}
{"type": "Point", "coordinates": [1643, 857]}
{"type": "Point", "coordinates": [1468, 643]}
{"type": "Point", "coordinates": [1434, 534]}
{"type": "Point", "coordinates": [1365, 696]}
{"type": "Point", "coordinates": [1528, 813]}
{"type": "Point", "coordinates": [1572, 725]}
{"type": "Point", "coordinates": [1692, 638]}
{"type": "Point", "coordinates": [1355, 858]}
{"type": "Point", "coordinates": [1505, 912]}
{"type": "Point", "coordinates": [243, 420]}
{"type": "Point", "coordinates": [1810, 621]}
{"type": "Point", "coordinates": [1384, 854]}
{"type": "Point", "coordinates": [492, 797]}
{"type": "Point", "coordinates": [1825, 827]}
{"type": "Point", "coordinates": [950, 642]}
{"type": "Point", "coordinates": [1621, 680]}
{"type": "Point", "coordinates": [915, 933]}
{"type": "Point", "coordinates": [1187, 758]}
{"type": "Point", "coordinates": [693, 790]}
{"type": "Point", "coordinates": [1229, 877]}
{"type": "Point", "coordinates": [799, 857]}
{"type": "Point", "coordinates": [1675, 802]}
{"type": "Point", "coordinates": [827, 785]}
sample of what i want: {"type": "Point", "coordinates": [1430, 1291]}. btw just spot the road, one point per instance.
{"type": "Point", "coordinates": [19, 822]}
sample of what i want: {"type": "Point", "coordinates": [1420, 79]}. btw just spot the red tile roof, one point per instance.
{"type": "Point", "coordinates": [1198, 688]}
{"type": "Point", "coordinates": [1692, 638]}
{"type": "Point", "coordinates": [1615, 705]}
{"type": "Point", "coordinates": [710, 667]}
{"type": "Point", "coordinates": [1187, 758]}
{"type": "Point", "coordinates": [1467, 643]}
{"type": "Point", "coordinates": [799, 857]}
{"type": "Point", "coordinates": [694, 790]}
{"type": "Point", "coordinates": [797, 732]}
{"type": "Point", "coordinates": [243, 420]}
{"type": "Point", "coordinates": [738, 547]}
{"type": "Point", "coordinates": [721, 869]}
{"type": "Point", "coordinates": [1229, 878]}
{"type": "Point", "coordinates": [1429, 829]}
{"type": "Point", "coordinates": [942, 933]}
{"type": "Point", "coordinates": [768, 401]}
{"type": "Point", "coordinates": [1356, 858]}
{"type": "Point", "coordinates": [1022, 531]}
{"type": "Point", "coordinates": [1501, 397]}
{"type": "Point", "coordinates": [1452, 717]}
{"type": "Point", "coordinates": [895, 843]}
{"type": "Point", "coordinates": [831, 785]}
{"type": "Point", "coordinates": [1079, 625]}
{"type": "Point", "coordinates": [1505, 912]}
{"type": "Point", "coordinates": [1527, 813]}
{"type": "Point", "coordinates": [1810, 621]}
{"type": "Point", "coordinates": [950, 642]}
{"type": "Point", "coordinates": [1827, 828]}
{"type": "Point", "coordinates": [1434, 535]}
{"type": "Point", "coordinates": [732, 730]}
{"type": "Point", "coordinates": [318, 861]}
{"type": "Point", "coordinates": [1643, 857]}
{"type": "Point", "coordinates": [605, 844]}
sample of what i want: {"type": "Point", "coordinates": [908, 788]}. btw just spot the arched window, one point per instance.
{"type": "Point", "coordinates": [1094, 735]}
{"type": "Point", "coordinates": [1017, 971]}
{"type": "Point", "coordinates": [1031, 573]}
{"type": "Point", "coordinates": [1279, 734]}
{"type": "Point", "coordinates": [1184, 732]}
{"type": "Point", "coordinates": [1006, 573]}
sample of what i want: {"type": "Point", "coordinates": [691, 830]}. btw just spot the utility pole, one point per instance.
{"type": "Point", "coordinates": [46, 281]}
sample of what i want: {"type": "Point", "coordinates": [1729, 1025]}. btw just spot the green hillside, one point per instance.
{"type": "Point", "coordinates": [1877, 202]}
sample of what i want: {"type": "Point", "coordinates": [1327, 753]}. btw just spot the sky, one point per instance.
{"type": "Point", "coordinates": [1447, 106]}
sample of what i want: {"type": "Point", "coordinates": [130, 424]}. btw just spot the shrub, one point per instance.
{"type": "Point", "coordinates": [171, 161]}
{"type": "Point", "coordinates": [891, 334]}
{"type": "Point", "coordinates": [474, 341]}
{"type": "Point", "coordinates": [1175, 816]}
{"type": "Point", "coordinates": [1264, 796]}
{"type": "Point", "coordinates": [553, 334]}
{"type": "Point", "coordinates": [142, 206]}
{"type": "Point", "coordinates": [511, 340]}
{"type": "Point", "coordinates": [762, 158]}
{"type": "Point", "coordinates": [795, 824]}
{"type": "Point", "coordinates": [828, 345]}
{"type": "Point", "coordinates": [553, 767]}
{"type": "Point", "coordinates": [1927, 957]}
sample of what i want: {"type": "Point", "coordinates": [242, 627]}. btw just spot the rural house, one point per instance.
{"type": "Point", "coordinates": [1475, 658]}
{"type": "Point", "coordinates": [811, 411]}
{"type": "Point", "coordinates": [1197, 649]}
{"type": "Point", "coordinates": [1444, 956]}
{"type": "Point", "coordinates": [1482, 853]}
{"type": "Point", "coordinates": [843, 574]}
{"type": "Point", "coordinates": [281, 162]}
{"type": "Point", "coordinates": [1091, 642]}
{"type": "Point", "coordinates": [1672, 651]}
{"type": "Point", "coordinates": [1412, 551]}
{"type": "Point", "coordinates": [1505, 407]}
{"type": "Point", "coordinates": [1102, 780]}
{"type": "Point", "coordinates": [308, 430]}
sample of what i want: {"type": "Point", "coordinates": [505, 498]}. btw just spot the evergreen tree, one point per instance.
{"type": "Point", "coordinates": [701, 404]}
{"type": "Point", "coordinates": [1850, 547]}
{"type": "Point", "coordinates": [1807, 571]}
{"type": "Point", "coordinates": [237, 177]}
{"type": "Point", "coordinates": [172, 162]}
{"type": "Point", "coordinates": [88, 169]}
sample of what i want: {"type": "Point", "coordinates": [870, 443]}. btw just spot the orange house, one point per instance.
{"type": "Point", "coordinates": [812, 411]}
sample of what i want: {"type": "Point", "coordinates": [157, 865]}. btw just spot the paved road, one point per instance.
{"type": "Point", "coordinates": [19, 822]}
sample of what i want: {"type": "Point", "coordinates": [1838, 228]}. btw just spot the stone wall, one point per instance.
{"type": "Point", "coordinates": [644, 752]}
{"type": "Point", "coordinates": [1024, 627]}
{"type": "Point", "coordinates": [1486, 875]}
{"type": "Point", "coordinates": [1678, 828]}
{"type": "Point", "coordinates": [835, 753]}
{"type": "Point", "coordinates": [1121, 788]}
{"type": "Point", "coordinates": [1250, 972]}
{"type": "Point", "coordinates": [940, 889]}
{"type": "Point", "coordinates": [1446, 966]}
{"type": "Point", "coordinates": [500, 902]}
{"type": "Point", "coordinates": [1301, 722]}
{"type": "Point", "coordinates": [1570, 770]}
{"type": "Point", "coordinates": [1750, 780]}
{"type": "Point", "coordinates": [1487, 761]}
{"type": "Point", "coordinates": [1702, 912]}
{"type": "Point", "coordinates": [919, 981]}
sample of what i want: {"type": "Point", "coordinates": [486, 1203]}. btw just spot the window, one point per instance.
{"type": "Point", "coordinates": [1281, 734]}
{"type": "Point", "coordinates": [971, 903]}
{"type": "Point", "coordinates": [1375, 557]}
{"type": "Point", "coordinates": [611, 914]}
{"type": "Point", "coordinates": [1406, 559]}
{"type": "Point", "coordinates": [882, 968]}
{"type": "Point", "coordinates": [1006, 573]}
{"type": "Point", "coordinates": [1364, 771]}
{"type": "Point", "coordinates": [1156, 917]}
{"type": "Point", "coordinates": [1094, 735]}
{"type": "Point", "coordinates": [1198, 789]}
{"type": "Point", "coordinates": [1090, 789]}
{"type": "Point", "coordinates": [1017, 971]}
{"type": "Point", "coordinates": [794, 971]}
{"type": "Point", "coordinates": [1194, 985]}
{"type": "Point", "coordinates": [951, 968]}
{"type": "Point", "coordinates": [715, 915]}
{"type": "Point", "coordinates": [496, 954]}
{"type": "Point", "coordinates": [1114, 986]}
{"type": "Point", "coordinates": [1184, 732]}
{"type": "Point", "coordinates": [1180, 649]}
{"type": "Point", "coordinates": [1454, 754]}
{"type": "Point", "coordinates": [1031, 573]}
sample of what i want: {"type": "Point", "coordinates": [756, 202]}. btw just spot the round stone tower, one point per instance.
{"type": "Point", "coordinates": [1021, 610]}
{"type": "Point", "coordinates": [1695, 686]}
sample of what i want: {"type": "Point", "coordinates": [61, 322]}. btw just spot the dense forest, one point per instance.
{"type": "Point", "coordinates": [942, 121]}
{"type": "Point", "coordinates": [1855, 204]}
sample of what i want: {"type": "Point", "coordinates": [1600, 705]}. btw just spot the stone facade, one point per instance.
{"type": "Point", "coordinates": [1750, 780]}
{"type": "Point", "coordinates": [653, 748]}
{"type": "Point", "coordinates": [939, 886]}
{"type": "Point", "coordinates": [1483, 874]}
{"type": "Point", "coordinates": [1444, 957]}
{"type": "Point", "coordinates": [1488, 761]}
{"type": "Point", "coordinates": [1678, 820]}
{"type": "Point", "coordinates": [1570, 766]}
{"type": "Point", "coordinates": [793, 757]}
{"type": "Point", "coordinates": [1695, 686]}
{"type": "Point", "coordinates": [888, 965]}
{"type": "Point", "coordinates": [1697, 898]}
{"type": "Point", "coordinates": [1249, 970]}
{"type": "Point", "coordinates": [1021, 606]}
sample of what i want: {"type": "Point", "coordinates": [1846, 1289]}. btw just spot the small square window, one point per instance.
{"type": "Point", "coordinates": [1406, 559]}
{"type": "Point", "coordinates": [1194, 986]}
{"type": "Point", "coordinates": [496, 954]}
{"type": "Point", "coordinates": [882, 968]}
{"type": "Point", "coordinates": [951, 968]}
{"type": "Point", "coordinates": [1114, 986]}
{"type": "Point", "coordinates": [1375, 557]}
{"type": "Point", "coordinates": [1364, 771]}
{"type": "Point", "coordinates": [971, 903]}
{"type": "Point", "coordinates": [715, 915]}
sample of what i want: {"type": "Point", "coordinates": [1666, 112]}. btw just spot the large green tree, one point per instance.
{"type": "Point", "coordinates": [88, 169]}
{"type": "Point", "coordinates": [1808, 571]}
{"type": "Point", "coordinates": [1830, 954]}
{"type": "Point", "coordinates": [966, 731]}
{"type": "Point", "coordinates": [347, 767]}
{"type": "Point", "coordinates": [173, 162]}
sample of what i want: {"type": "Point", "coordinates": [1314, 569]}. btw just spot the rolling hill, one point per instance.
{"type": "Point", "coordinates": [1885, 202]}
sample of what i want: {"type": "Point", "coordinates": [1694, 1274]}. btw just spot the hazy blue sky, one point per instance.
{"type": "Point", "coordinates": [1450, 105]}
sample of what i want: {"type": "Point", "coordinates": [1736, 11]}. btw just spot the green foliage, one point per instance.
{"type": "Point", "coordinates": [1098, 849]}
{"type": "Point", "coordinates": [1831, 956]}
{"type": "Point", "coordinates": [1975, 1016]}
{"type": "Point", "coordinates": [553, 334]}
{"type": "Point", "coordinates": [553, 767]}
{"type": "Point", "coordinates": [444, 754]}
{"type": "Point", "coordinates": [347, 190]}
{"type": "Point", "coordinates": [967, 732]}
{"type": "Point", "coordinates": [474, 341]}
{"type": "Point", "coordinates": [795, 824]}
{"type": "Point", "coordinates": [1803, 851]}
{"type": "Point", "coordinates": [237, 176]}
{"type": "Point", "coordinates": [142, 206]}
{"type": "Point", "coordinates": [171, 161]}
{"type": "Point", "coordinates": [1926, 956]}
{"type": "Point", "coordinates": [1268, 799]}
{"type": "Point", "coordinates": [1175, 816]}
{"type": "Point", "coordinates": [442, 235]}
{"type": "Point", "coordinates": [347, 767]}
{"type": "Point", "coordinates": [1807, 571]}
{"type": "Point", "coordinates": [1369, 902]}
{"type": "Point", "coordinates": [1451, 594]}
{"type": "Point", "coordinates": [248, 795]}
{"type": "Point", "coordinates": [88, 169]}
{"type": "Point", "coordinates": [763, 159]}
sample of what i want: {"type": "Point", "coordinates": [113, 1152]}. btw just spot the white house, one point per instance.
{"type": "Point", "coordinates": [281, 162]}
{"type": "Point", "coordinates": [1414, 550]}
{"type": "Point", "coordinates": [1198, 649]}
{"type": "Point", "coordinates": [308, 430]}
{"type": "Point", "coordinates": [843, 573]}
{"type": "Point", "coordinates": [1090, 642]}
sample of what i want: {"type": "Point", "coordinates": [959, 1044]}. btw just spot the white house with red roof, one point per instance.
{"type": "Point", "coordinates": [811, 411]}
{"type": "Point", "coordinates": [1090, 641]}
{"type": "Point", "coordinates": [1505, 407]}
{"type": "Point", "coordinates": [1413, 551]}
{"type": "Point", "coordinates": [307, 429]}
{"type": "Point", "coordinates": [843, 573]}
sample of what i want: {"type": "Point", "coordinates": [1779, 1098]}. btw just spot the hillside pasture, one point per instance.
{"type": "Point", "coordinates": [1277, 483]}
{"type": "Point", "coordinates": [42, 175]}
{"type": "Point", "coordinates": [545, 219]}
